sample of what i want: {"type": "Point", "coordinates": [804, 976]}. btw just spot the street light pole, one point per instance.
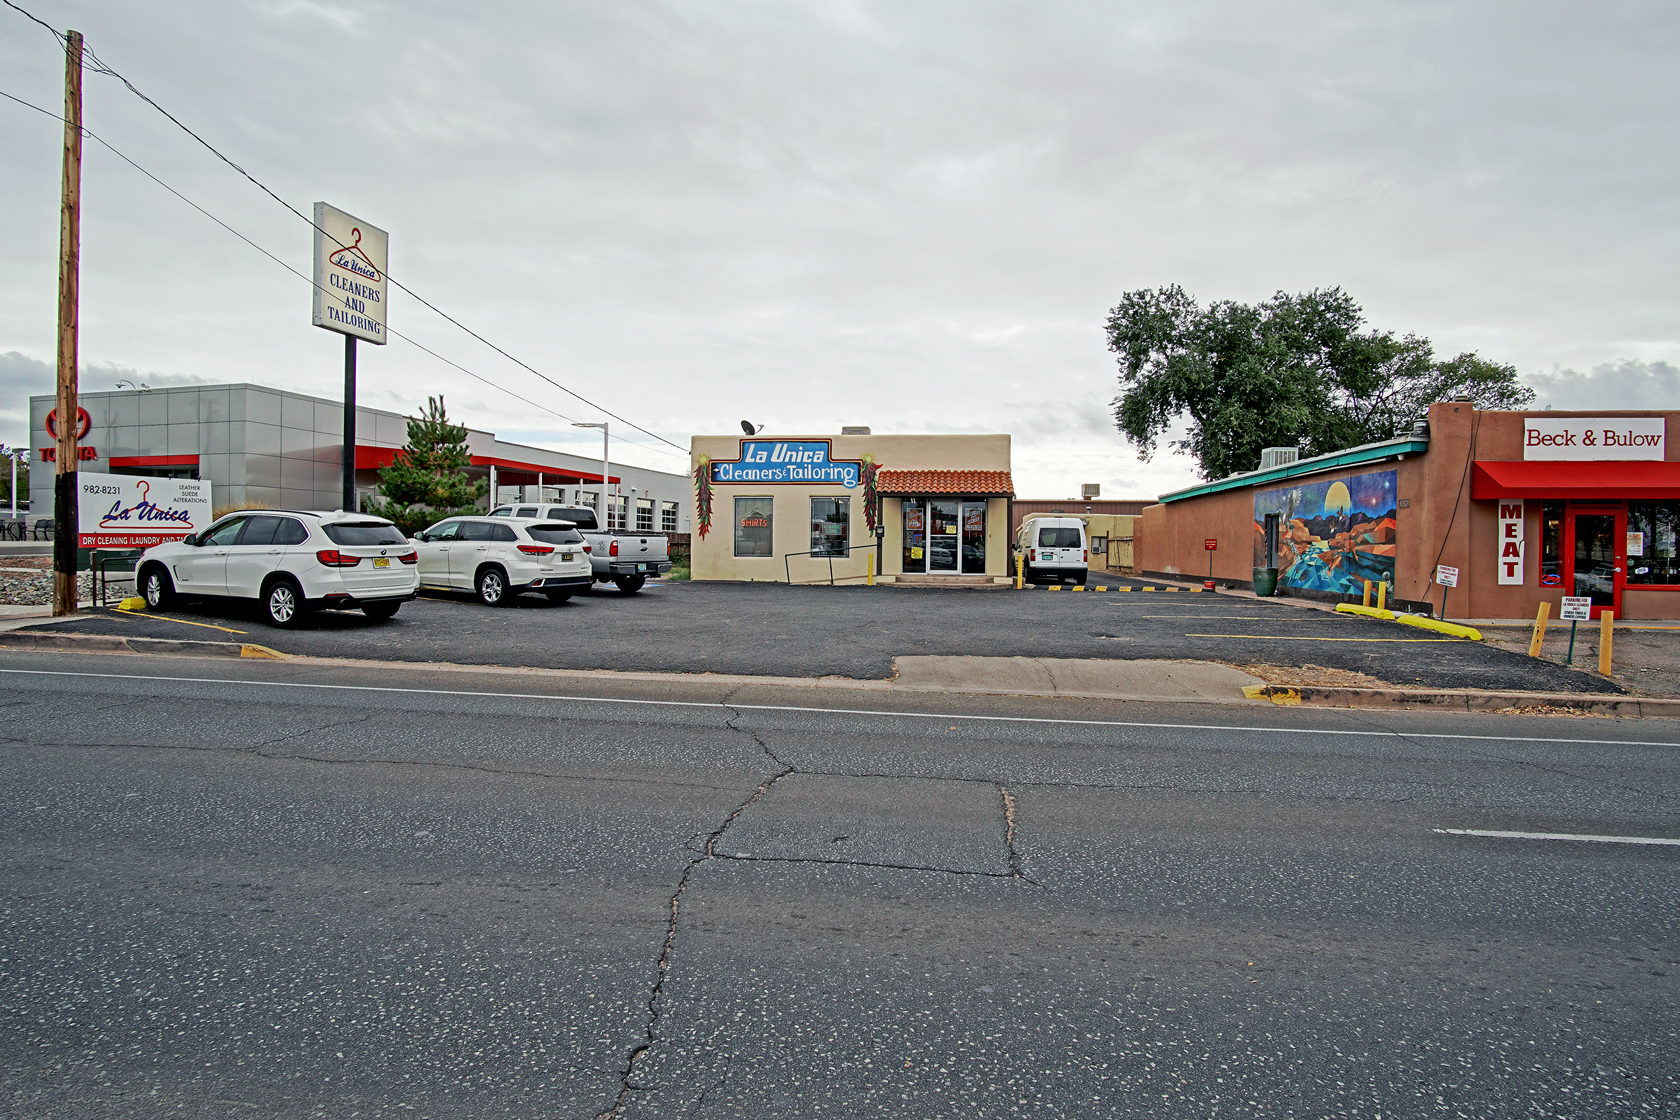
{"type": "Point", "coordinates": [602, 519]}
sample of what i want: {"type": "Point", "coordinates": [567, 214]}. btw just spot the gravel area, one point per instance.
{"type": "Point", "coordinates": [34, 586]}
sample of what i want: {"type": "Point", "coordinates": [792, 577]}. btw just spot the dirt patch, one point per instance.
{"type": "Point", "coordinates": [1549, 710]}
{"type": "Point", "coordinates": [1302, 675]}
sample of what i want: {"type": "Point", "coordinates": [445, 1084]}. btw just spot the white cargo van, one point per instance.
{"type": "Point", "coordinates": [1054, 549]}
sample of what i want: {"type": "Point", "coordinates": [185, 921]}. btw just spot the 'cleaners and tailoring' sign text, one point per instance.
{"type": "Point", "coordinates": [1594, 437]}
{"type": "Point", "coordinates": [782, 461]}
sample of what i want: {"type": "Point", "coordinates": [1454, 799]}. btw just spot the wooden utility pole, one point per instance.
{"type": "Point", "coordinates": [66, 527]}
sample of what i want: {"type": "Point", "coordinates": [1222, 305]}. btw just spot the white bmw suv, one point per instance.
{"type": "Point", "coordinates": [291, 561]}
{"type": "Point", "coordinates": [502, 557]}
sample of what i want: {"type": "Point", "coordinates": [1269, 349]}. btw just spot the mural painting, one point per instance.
{"type": "Point", "coordinates": [1332, 536]}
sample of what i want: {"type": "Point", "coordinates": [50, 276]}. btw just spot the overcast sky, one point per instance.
{"type": "Point", "coordinates": [908, 215]}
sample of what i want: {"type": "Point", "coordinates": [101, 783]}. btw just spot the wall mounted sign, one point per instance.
{"type": "Point", "coordinates": [1510, 542]}
{"type": "Point", "coordinates": [129, 511]}
{"type": "Point", "coordinates": [1595, 437]}
{"type": "Point", "coordinates": [84, 423]}
{"type": "Point", "coordinates": [778, 462]}
{"type": "Point", "coordinates": [350, 287]}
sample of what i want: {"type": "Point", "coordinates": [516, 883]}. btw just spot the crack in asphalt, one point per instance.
{"type": "Point", "coordinates": [866, 863]}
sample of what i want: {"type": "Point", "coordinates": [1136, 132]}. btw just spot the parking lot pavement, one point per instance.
{"type": "Point", "coordinates": [776, 630]}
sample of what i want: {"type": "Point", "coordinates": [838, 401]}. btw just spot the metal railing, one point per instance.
{"type": "Point", "coordinates": [101, 566]}
{"type": "Point", "coordinates": [844, 554]}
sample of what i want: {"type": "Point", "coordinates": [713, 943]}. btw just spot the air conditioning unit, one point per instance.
{"type": "Point", "coordinates": [1090, 490]}
{"type": "Point", "coordinates": [1278, 456]}
{"type": "Point", "coordinates": [854, 430]}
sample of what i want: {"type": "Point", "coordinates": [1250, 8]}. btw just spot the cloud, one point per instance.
{"type": "Point", "coordinates": [1628, 383]}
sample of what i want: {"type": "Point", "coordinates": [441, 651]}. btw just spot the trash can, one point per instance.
{"type": "Point", "coordinates": [1265, 582]}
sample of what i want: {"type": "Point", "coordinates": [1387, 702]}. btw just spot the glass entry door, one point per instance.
{"type": "Point", "coordinates": [942, 536]}
{"type": "Point", "coordinates": [974, 538]}
{"type": "Point", "coordinates": [1598, 551]}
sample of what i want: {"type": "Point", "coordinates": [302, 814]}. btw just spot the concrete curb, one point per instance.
{"type": "Point", "coordinates": [1470, 633]}
{"type": "Point", "coordinates": [1462, 700]}
{"type": "Point", "coordinates": [103, 643]}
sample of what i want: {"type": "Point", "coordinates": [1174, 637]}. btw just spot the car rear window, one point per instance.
{"type": "Point", "coordinates": [364, 533]}
{"type": "Point", "coordinates": [526, 511]}
{"type": "Point", "coordinates": [582, 518]}
{"type": "Point", "coordinates": [555, 534]}
{"type": "Point", "coordinates": [1059, 538]}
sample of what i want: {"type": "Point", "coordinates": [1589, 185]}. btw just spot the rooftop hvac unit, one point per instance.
{"type": "Point", "coordinates": [1278, 456]}
{"type": "Point", "coordinates": [854, 430]}
{"type": "Point", "coordinates": [1090, 490]}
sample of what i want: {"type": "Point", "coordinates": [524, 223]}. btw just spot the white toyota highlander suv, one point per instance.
{"type": "Point", "coordinates": [291, 561]}
{"type": "Point", "coordinates": [501, 557]}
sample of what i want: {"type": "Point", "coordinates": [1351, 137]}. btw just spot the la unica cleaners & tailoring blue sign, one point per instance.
{"type": "Point", "coordinates": [789, 461]}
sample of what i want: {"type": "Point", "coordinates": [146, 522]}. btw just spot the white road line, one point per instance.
{"type": "Point", "coordinates": [1529, 739]}
{"type": "Point", "coordinates": [1498, 835]}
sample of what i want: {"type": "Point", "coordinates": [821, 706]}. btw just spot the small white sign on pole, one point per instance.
{"type": "Point", "coordinates": [350, 285]}
{"type": "Point", "coordinates": [1445, 576]}
{"type": "Point", "coordinates": [135, 511]}
{"type": "Point", "coordinates": [1510, 541]}
{"type": "Point", "coordinates": [1577, 608]}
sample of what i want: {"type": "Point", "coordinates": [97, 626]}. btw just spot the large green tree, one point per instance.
{"type": "Point", "coordinates": [1295, 370]}
{"type": "Point", "coordinates": [427, 480]}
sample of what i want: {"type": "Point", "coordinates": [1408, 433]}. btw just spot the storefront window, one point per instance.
{"type": "Point", "coordinates": [668, 516]}
{"type": "Point", "coordinates": [644, 515]}
{"type": "Point", "coordinates": [831, 526]}
{"type": "Point", "coordinates": [1551, 545]}
{"type": "Point", "coordinates": [915, 536]}
{"type": "Point", "coordinates": [1651, 531]}
{"type": "Point", "coordinates": [753, 518]}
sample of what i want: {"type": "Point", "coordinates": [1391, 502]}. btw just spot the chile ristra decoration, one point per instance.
{"type": "Point", "coordinates": [871, 496]}
{"type": "Point", "coordinates": [703, 494]}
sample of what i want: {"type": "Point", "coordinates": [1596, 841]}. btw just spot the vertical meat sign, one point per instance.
{"type": "Point", "coordinates": [1510, 541]}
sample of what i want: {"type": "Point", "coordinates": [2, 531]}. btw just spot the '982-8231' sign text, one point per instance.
{"type": "Point", "coordinates": [780, 461]}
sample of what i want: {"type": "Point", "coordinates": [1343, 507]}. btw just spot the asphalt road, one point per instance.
{"type": "Point", "coordinates": [776, 630]}
{"type": "Point", "coordinates": [266, 889]}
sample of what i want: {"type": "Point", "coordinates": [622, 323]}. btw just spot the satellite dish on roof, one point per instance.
{"type": "Point", "coordinates": [747, 426]}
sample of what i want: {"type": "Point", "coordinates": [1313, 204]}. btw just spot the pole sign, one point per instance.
{"type": "Point", "coordinates": [1445, 576]}
{"type": "Point", "coordinates": [350, 285]}
{"type": "Point", "coordinates": [789, 461]}
{"type": "Point", "coordinates": [127, 511]}
{"type": "Point", "coordinates": [1577, 608]}
{"type": "Point", "coordinates": [1211, 544]}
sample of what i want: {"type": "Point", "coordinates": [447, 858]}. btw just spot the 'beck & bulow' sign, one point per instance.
{"type": "Point", "coordinates": [1594, 437]}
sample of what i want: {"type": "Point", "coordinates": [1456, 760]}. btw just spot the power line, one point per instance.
{"type": "Point", "coordinates": [101, 67]}
{"type": "Point", "coordinates": [306, 279]}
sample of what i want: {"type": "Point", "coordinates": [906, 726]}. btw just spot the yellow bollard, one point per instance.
{"type": "Point", "coordinates": [1540, 617]}
{"type": "Point", "coordinates": [1605, 623]}
{"type": "Point", "coordinates": [1367, 593]}
{"type": "Point", "coordinates": [871, 559]}
{"type": "Point", "coordinates": [1382, 594]}
{"type": "Point", "coordinates": [1019, 561]}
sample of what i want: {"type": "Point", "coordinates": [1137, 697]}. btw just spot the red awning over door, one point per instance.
{"type": "Point", "coordinates": [1574, 480]}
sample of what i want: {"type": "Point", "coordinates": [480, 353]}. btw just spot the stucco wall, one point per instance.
{"type": "Point", "coordinates": [714, 555]}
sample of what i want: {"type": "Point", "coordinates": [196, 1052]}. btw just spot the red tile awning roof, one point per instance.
{"type": "Point", "coordinates": [968, 483]}
{"type": "Point", "coordinates": [1583, 481]}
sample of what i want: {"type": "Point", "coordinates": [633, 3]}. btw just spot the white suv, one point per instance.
{"type": "Point", "coordinates": [501, 557]}
{"type": "Point", "coordinates": [293, 562]}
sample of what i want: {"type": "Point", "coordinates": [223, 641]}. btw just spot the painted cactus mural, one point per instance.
{"type": "Point", "coordinates": [1332, 535]}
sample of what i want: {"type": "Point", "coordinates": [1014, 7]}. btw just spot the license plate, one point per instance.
{"type": "Point", "coordinates": [641, 567]}
{"type": "Point", "coordinates": [565, 556]}
{"type": "Point", "coordinates": [382, 561]}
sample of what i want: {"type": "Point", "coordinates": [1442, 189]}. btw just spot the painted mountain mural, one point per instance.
{"type": "Point", "coordinates": [1332, 536]}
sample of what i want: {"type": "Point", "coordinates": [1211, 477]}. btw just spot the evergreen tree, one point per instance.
{"type": "Point", "coordinates": [428, 480]}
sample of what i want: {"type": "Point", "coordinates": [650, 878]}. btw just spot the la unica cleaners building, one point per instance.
{"type": "Point", "coordinates": [1520, 507]}
{"type": "Point", "coordinates": [804, 509]}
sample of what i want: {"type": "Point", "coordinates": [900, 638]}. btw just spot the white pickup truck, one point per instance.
{"type": "Point", "coordinates": [622, 558]}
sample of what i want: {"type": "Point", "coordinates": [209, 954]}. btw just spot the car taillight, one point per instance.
{"type": "Point", "coordinates": [1032, 554]}
{"type": "Point", "coordinates": [589, 548]}
{"type": "Point", "coordinates": [1087, 556]}
{"type": "Point", "coordinates": [333, 558]}
{"type": "Point", "coordinates": [536, 549]}
{"type": "Point", "coordinates": [409, 557]}
{"type": "Point", "coordinates": [612, 549]}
